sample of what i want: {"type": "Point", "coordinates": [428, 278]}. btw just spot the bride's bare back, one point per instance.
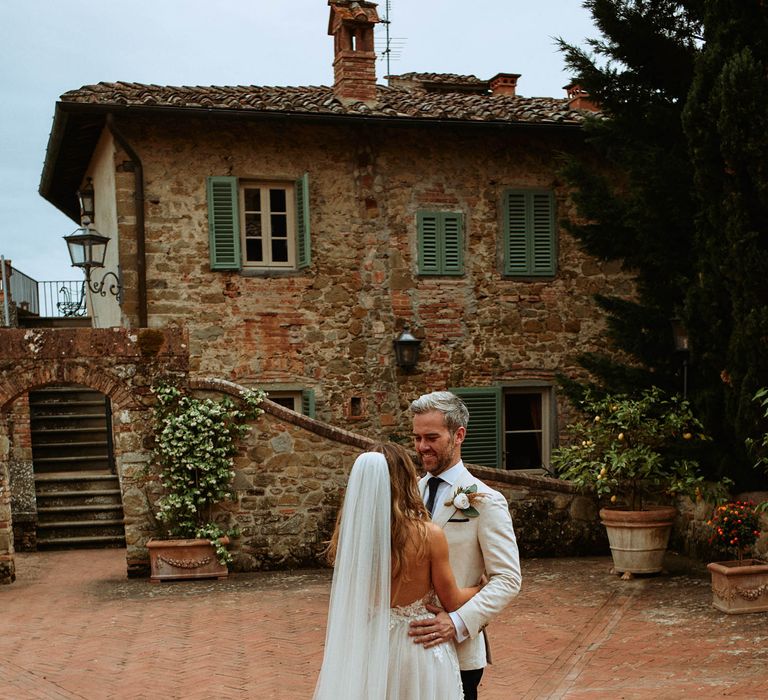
{"type": "Point", "coordinates": [427, 570]}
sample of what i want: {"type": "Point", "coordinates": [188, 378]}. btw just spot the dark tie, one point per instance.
{"type": "Point", "coordinates": [433, 484]}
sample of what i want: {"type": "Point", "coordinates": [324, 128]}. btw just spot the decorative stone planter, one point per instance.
{"type": "Point", "coordinates": [184, 559]}
{"type": "Point", "coordinates": [638, 538]}
{"type": "Point", "coordinates": [739, 586]}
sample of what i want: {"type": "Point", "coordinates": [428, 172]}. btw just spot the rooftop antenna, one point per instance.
{"type": "Point", "coordinates": [387, 51]}
{"type": "Point", "coordinates": [392, 45]}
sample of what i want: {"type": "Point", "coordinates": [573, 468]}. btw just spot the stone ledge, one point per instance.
{"type": "Point", "coordinates": [317, 427]}
{"type": "Point", "coordinates": [349, 438]}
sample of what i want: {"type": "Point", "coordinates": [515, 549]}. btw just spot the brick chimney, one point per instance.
{"type": "Point", "coordinates": [354, 61]}
{"type": "Point", "coordinates": [578, 98]}
{"type": "Point", "coordinates": [504, 84]}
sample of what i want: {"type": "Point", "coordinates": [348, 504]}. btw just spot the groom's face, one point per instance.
{"type": "Point", "coordinates": [436, 447]}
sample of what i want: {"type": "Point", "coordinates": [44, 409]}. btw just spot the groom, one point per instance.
{"type": "Point", "coordinates": [480, 545]}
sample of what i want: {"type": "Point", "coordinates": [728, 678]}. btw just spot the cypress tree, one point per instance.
{"type": "Point", "coordinates": [726, 124]}
{"type": "Point", "coordinates": [640, 210]}
{"type": "Point", "coordinates": [683, 203]}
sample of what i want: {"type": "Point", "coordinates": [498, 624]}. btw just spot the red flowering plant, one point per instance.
{"type": "Point", "coordinates": [735, 527]}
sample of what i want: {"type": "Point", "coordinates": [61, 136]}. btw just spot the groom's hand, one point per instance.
{"type": "Point", "coordinates": [434, 631]}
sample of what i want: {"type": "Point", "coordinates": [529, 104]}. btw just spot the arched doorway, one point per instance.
{"type": "Point", "coordinates": [119, 364]}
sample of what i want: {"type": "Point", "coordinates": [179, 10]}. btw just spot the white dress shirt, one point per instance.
{"type": "Point", "coordinates": [444, 492]}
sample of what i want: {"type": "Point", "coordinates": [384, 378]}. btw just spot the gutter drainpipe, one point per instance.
{"type": "Point", "coordinates": [6, 292]}
{"type": "Point", "coordinates": [138, 196]}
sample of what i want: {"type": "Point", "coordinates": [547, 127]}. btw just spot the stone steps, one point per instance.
{"type": "Point", "coordinates": [83, 542]}
{"type": "Point", "coordinates": [77, 492]}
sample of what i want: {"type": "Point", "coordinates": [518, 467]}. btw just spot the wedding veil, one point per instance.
{"type": "Point", "coordinates": [357, 637]}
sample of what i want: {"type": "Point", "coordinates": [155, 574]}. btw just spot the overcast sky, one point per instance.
{"type": "Point", "coordinates": [50, 46]}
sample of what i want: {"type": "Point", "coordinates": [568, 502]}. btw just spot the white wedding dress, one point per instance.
{"type": "Point", "coordinates": [368, 653]}
{"type": "Point", "coordinates": [416, 673]}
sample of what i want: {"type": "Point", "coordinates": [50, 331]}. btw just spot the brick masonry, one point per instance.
{"type": "Point", "coordinates": [330, 328]}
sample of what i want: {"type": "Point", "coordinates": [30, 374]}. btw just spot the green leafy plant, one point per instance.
{"type": "Point", "coordinates": [735, 527]}
{"type": "Point", "coordinates": [760, 447]}
{"type": "Point", "coordinates": [195, 445]}
{"type": "Point", "coordinates": [635, 450]}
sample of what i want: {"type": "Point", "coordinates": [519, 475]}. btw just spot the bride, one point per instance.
{"type": "Point", "coordinates": [389, 560]}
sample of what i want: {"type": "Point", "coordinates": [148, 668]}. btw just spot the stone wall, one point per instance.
{"type": "Point", "coordinates": [691, 534]}
{"type": "Point", "coordinates": [330, 328]}
{"type": "Point", "coordinates": [7, 564]}
{"type": "Point", "coordinates": [289, 474]}
{"type": "Point", "coordinates": [292, 471]}
{"type": "Point", "coordinates": [22, 477]}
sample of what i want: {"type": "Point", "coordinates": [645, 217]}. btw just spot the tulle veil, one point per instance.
{"type": "Point", "coordinates": [357, 638]}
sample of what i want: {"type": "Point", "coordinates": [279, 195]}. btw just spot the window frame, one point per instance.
{"type": "Point", "coordinates": [225, 210]}
{"type": "Point", "coordinates": [487, 404]}
{"type": "Point", "coordinates": [548, 408]}
{"type": "Point", "coordinates": [264, 187]}
{"type": "Point", "coordinates": [303, 399]}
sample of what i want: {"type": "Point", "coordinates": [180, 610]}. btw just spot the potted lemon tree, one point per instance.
{"type": "Point", "coordinates": [634, 453]}
{"type": "Point", "coordinates": [196, 440]}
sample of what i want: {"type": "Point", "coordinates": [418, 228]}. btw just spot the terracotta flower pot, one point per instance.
{"type": "Point", "coordinates": [740, 586]}
{"type": "Point", "coordinates": [184, 559]}
{"type": "Point", "coordinates": [638, 538]}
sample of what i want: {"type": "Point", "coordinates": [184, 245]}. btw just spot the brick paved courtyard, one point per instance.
{"type": "Point", "coordinates": [72, 626]}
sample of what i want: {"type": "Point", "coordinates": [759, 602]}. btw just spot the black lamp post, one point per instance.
{"type": "Point", "coordinates": [406, 349]}
{"type": "Point", "coordinates": [680, 340]}
{"type": "Point", "coordinates": [87, 249]}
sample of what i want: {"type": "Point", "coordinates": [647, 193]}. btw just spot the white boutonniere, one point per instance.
{"type": "Point", "coordinates": [464, 499]}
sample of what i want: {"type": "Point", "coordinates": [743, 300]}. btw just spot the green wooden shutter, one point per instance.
{"type": "Point", "coordinates": [529, 234]}
{"type": "Point", "coordinates": [223, 223]}
{"type": "Point", "coordinates": [427, 228]}
{"type": "Point", "coordinates": [543, 233]}
{"type": "Point", "coordinates": [516, 248]}
{"type": "Point", "coordinates": [308, 402]}
{"type": "Point", "coordinates": [440, 244]}
{"type": "Point", "coordinates": [453, 248]}
{"type": "Point", "coordinates": [303, 241]}
{"type": "Point", "coordinates": [482, 444]}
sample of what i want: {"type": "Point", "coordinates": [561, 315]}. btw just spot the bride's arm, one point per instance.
{"type": "Point", "coordinates": [450, 595]}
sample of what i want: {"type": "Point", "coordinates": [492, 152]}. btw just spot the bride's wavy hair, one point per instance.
{"type": "Point", "coordinates": [408, 514]}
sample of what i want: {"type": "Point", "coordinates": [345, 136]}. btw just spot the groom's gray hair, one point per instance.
{"type": "Point", "coordinates": [451, 406]}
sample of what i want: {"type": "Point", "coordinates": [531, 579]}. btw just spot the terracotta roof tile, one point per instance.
{"type": "Point", "coordinates": [392, 102]}
{"type": "Point", "coordinates": [452, 78]}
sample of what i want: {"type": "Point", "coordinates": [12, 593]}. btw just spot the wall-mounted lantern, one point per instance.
{"type": "Point", "coordinates": [406, 349]}
{"type": "Point", "coordinates": [679, 335]}
{"type": "Point", "coordinates": [87, 198]}
{"type": "Point", "coordinates": [87, 249]}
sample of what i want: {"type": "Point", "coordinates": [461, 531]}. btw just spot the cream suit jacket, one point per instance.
{"type": "Point", "coordinates": [477, 546]}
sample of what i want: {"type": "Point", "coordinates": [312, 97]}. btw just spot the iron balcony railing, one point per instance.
{"type": "Point", "coordinates": [49, 299]}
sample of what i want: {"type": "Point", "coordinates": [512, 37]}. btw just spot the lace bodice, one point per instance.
{"type": "Point", "coordinates": [413, 611]}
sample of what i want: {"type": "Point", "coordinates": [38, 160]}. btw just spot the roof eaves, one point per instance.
{"type": "Point", "coordinates": [249, 113]}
